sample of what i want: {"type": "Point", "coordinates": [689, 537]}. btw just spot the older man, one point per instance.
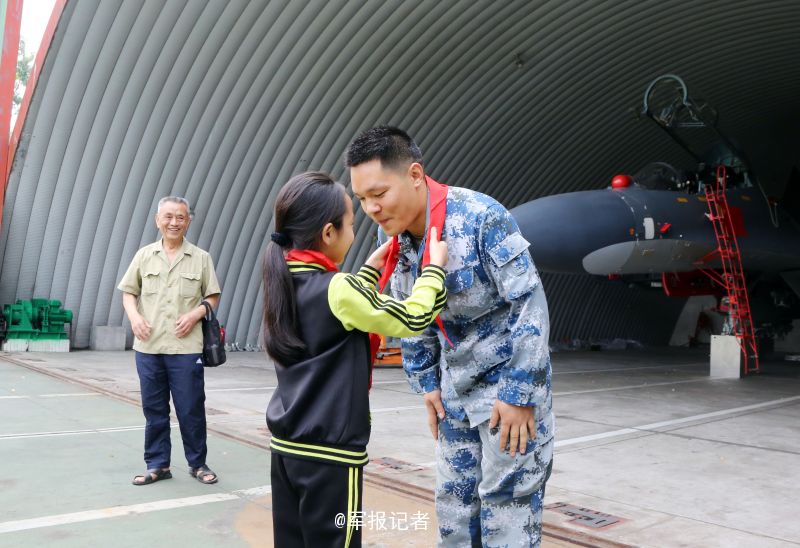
{"type": "Point", "coordinates": [484, 369]}
{"type": "Point", "coordinates": [163, 290]}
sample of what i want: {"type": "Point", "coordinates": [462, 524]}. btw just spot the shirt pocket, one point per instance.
{"type": "Point", "coordinates": [190, 285]}
{"type": "Point", "coordinates": [151, 282]}
{"type": "Point", "coordinates": [513, 268]}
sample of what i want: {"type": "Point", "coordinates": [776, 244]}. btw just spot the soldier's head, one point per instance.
{"type": "Point", "coordinates": [173, 218]}
{"type": "Point", "coordinates": [388, 179]}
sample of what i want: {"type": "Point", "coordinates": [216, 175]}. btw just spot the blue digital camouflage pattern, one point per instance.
{"type": "Point", "coordinates": [496, 317]}
{"type": "Point", "coordinates": [497, 504]}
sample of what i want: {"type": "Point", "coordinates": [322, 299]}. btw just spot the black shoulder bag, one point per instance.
{"type": "Point", "coordinates": [213, 340]}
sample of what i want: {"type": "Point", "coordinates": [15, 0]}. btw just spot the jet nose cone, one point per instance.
{"type": "Point", "coordinates": [564, 228]}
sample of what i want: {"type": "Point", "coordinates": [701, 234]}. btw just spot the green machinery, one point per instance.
{"type": "Point", "coordinates": [37, 319]}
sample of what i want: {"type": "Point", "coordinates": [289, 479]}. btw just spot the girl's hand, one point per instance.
{"type": "Point", "coordinates": [378, 257]}
{"type": "Point", "coordinates": [438, 250]}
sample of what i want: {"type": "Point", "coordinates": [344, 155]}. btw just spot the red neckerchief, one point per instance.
{"type": "Point", "coordinates": [314, 257]}
{"type": "Point", "coordinates": [437, 198]}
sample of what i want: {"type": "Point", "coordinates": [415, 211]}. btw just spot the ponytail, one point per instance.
{"type": "Point", "coordinates": [280, 310]}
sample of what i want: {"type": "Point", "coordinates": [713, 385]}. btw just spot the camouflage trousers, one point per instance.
{"type": "Point", "coordinates": [485, 497]}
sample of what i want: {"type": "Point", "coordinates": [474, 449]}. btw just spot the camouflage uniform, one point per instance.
{"type": "Point", "coordinates": [496, 316]}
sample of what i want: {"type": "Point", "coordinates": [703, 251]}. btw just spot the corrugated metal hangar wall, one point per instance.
{"type": "Point", "coordinates": [222, 102]}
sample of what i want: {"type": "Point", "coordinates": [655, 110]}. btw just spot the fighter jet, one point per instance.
{"type": "Point", "coordinates": [656, 225]}
{"type": "Point", "coordinates": [630, 229]}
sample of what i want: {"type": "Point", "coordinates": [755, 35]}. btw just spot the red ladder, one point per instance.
{"type": "Point", "coordinates": [732, 278]}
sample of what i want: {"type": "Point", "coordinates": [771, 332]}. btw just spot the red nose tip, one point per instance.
{"type": "Point", "coordinates": [620, 181]}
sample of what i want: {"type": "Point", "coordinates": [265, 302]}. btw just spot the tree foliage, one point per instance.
{"type": "Point", "coordinates": [24, 67]}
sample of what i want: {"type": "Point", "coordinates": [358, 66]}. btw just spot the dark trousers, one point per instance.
{"type": "Point", "coordinates": [311, 501]}
{"type": "Point", "coordinates": [181, 375]}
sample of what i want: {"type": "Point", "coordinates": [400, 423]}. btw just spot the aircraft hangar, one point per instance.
{"type": "Point", "coordinates": [221, 102]}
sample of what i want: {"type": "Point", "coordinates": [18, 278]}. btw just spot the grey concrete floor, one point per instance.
{"type": "Point", "coordinates": [650, 452]}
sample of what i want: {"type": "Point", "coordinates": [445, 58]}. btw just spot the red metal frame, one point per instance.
{"type": "Point", "coordinates": [8, 75]}
{"type": "Point", "coordinates": [9, 148]}
{"type": "Point", "coordinates": [732, 278]}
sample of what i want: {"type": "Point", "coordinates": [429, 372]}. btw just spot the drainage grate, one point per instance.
{"type": "Point", "coordinates": [396, 465]}
{"type": "Point", "coordinates": [584, 516]}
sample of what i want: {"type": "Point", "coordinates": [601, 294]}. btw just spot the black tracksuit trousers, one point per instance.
{"type": "Point", "coordinates": [313, 502]}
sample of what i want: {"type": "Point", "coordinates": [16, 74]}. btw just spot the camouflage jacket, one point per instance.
{"type": "Point", "coordinates": [496, 316]}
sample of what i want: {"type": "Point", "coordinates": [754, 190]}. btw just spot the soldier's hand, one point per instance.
{"type": "Point", "coordinates": [378, 257]}
{"type": "Point", "coordinates": [438, 249]}
{"type": "Point", "coordinates": [517, 425]}
{"type": "Point", "coordinates": [433, 403]}
{"type": "Point", "coordinates": [141, 329]}
{"type": "Point", "coordinates": [185, 323]}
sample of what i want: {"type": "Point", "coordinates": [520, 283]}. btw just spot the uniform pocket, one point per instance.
{"type": "Point", "coordinates": [508, 249]}
{"type": "Point", "coordinates": [513, 268]}
{"type": "Point", "coordinates": [151, 282]}
{"type": "Point", "coordinates": [190, 284]}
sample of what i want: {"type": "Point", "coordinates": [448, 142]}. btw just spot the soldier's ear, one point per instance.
{"type": "Point", "coordinates": [416, 172]}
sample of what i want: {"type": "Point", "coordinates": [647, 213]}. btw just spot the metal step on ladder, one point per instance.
{"type": "Point", "coordinates": [732, 278]}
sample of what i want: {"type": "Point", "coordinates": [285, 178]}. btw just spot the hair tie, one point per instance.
{"type": "Point", "coordinates": [281, 239]}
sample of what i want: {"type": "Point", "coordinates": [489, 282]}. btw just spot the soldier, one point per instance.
{"type": "Point", "coordinates": [484, 369]}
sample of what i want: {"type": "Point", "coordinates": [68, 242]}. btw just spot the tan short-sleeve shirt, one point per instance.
{"type": "Point", "coordinates": [166, 291]}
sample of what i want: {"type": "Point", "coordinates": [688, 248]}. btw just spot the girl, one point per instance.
{"type": "Point", "coordinates": [316, 324]}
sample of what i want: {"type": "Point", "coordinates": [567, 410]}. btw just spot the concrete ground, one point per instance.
{"type": "Point", "coordinates": [649, 452]}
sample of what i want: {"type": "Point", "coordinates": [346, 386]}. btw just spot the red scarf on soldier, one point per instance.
{"type": "Point", "coordinates": [437, 200]}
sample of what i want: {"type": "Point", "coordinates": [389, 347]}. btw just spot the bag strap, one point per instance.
{"type": "Point", "coordinates": [209, 311]}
